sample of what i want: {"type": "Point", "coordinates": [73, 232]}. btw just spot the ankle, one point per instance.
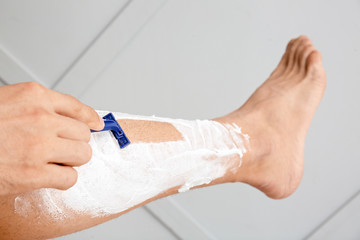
{"type": "Point", "coordinates": [258, 145]}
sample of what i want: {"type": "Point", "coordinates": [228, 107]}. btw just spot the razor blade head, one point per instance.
{"type": "Point", "coordinates": [112, 125]}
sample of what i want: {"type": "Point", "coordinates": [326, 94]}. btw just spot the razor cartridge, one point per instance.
{"type": "Point", "coordinates": [112, 125]}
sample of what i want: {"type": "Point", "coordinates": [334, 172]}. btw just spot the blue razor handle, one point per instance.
{"type": "Point", "coordinates": [112, 125]}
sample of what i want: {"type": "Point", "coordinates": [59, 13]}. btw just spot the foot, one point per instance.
{"type": "Point", "coordinates": [277, 117]}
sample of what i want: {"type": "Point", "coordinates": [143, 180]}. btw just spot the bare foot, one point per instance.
{"type": "Point", "coordinates": [277, 117]}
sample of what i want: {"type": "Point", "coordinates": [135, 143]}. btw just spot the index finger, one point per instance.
{"type": "Point", "coordinates": [70, 106]}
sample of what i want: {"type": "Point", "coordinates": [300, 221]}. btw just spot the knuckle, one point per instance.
{"type": "Point", "coordinates": [33, 88]}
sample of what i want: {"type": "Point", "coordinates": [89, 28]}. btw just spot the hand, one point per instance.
{"type": "Point", "coordinates": [43, 135]}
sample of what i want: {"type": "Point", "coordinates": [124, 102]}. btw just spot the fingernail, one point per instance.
{"type": "Point", "coordinates": [101, 122]}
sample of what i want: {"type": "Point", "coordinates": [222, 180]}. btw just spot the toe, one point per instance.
{"type": "Point", "coordinates": [304, 54]}
{"type": "Point", "coordinates": [314, 69]}
{"type": "Point", "coordinates": [303, 42]}
{"type": "Point", "coordinates": [285, 59]}
{"type": "Point", "coordinates": [295, 49]}
{"type": "Point", "coordinates": [295, 56]}
{"type": "Point", "coordinates": [313, 60]}
{"type": "Point", "coordinates": [289, 50]}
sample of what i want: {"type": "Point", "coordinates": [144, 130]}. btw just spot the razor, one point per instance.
{"type": "Point", "coordinates": [112, 125]}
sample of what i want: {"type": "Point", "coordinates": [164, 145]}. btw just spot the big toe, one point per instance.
{"type": "Point", "coordinates": [313, 60]}
{"type": "Point", "coordinates": [314, 68]}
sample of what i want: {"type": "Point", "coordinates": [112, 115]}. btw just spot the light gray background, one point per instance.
{"type": "Point", "coordinates": [202, 59]}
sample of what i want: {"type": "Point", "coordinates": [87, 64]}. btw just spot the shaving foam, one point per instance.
{"type": "Point", "coordinates": [115, 179]}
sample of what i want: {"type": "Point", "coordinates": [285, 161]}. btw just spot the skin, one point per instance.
{"type": "Point", "coordinates": [280, 111]}
{"type": "Point", "coordinates": [43, 134]}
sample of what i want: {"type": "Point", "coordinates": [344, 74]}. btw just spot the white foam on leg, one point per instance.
{"type": "Point", "coordinates": [117, 179]}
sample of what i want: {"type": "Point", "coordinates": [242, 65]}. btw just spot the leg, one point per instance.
{"type": "Point", "coordinates": [276, 117]}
